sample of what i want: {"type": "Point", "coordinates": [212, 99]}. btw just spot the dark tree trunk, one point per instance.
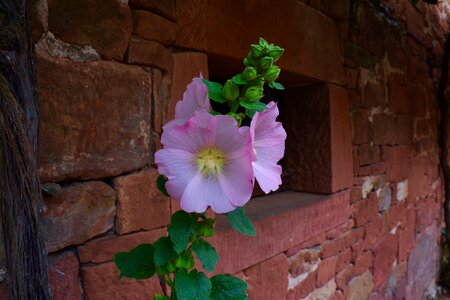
{"type": "Point", "coordinates": [20, 196]}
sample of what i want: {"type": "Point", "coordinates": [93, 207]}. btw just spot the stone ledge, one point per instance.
{"type": "Point", "coordinates": [282, 220]}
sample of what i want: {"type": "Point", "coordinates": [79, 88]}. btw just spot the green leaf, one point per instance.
{"type": "Point", "coordinates": [239, 80]}
{"type": "Point", "coordinates": [163, 251]}
{"type": "Point", "coordinates": [181, 228]}
{"type": "Point", "coordinates": [257, 106]}
{"type": "Point", "coordinates": [250, 112]}
{"type": "Point", "coordinates": [227, 287]}
{"type": "Point", "coordinates": [276, 85]}
{"type": "Point", "coordinates": [161, 184]}
{"type": "Point", "coordinates": [240, 222]}
{"type": "Point", "coordinates": [160, 297]}
{"type": "Point", "coordinates": [138, 263]}
{"type": "Point", "coordinates": [214, 91]}
{"type": "Point", "coordinates": [192, 286]}
{"type": "Point", "coordinates": [206, 254]}
{"type": "Point", "coordinates": [185, 260]}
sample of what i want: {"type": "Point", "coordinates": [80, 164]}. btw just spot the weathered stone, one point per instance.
{"type": "Point", "coordinates": [80, 212]}
{"type": "Point", "coordinates": [273, 271]}
{"type": "Point", "coordinates": [38, 14]}
{"type": "Point", "coordinates": [313, 51]}
{"type": "Point", "coordinates": [301, 286]}
{"type": "Point", "coordinates": [152, 27]}
{"type": "Point", "coordinates": [385, 253]}
{"type": "Point", "coordinates": [85, 132]}
{"type": "Point", "coordinates": [402, 190]}
{"type": "Point", "coordinates": [326, 270]}
{"type": "Point", "coordinates": [305, 261]}
{"type": "Point", "coordinates": [104, 248]}
{"type": "Point", "coordinates": [344, 276]}
{"type": "Point", "coordinates": [368, 154]}
{"type": "Point", "coordinates": [103, 24]}
{"type": "Point", "coordinates": [282, 221]}
{"type": "Point", "coordinates": [396, 159]}
{"type": "Point", "coordinates": [360, 287]}
{"type": "Point", "coordinates": [384, 195]}
{"type": "Point", "coordinates": [58, 48]}
{"type": "Point", "coordinates": [323, 292]}
{"type": "Point", "coordinates": [140, 204]}
{"type": "Point", "coordinates": [316, 118]}
{"type": "Point", "coordinates": [366, 210]}
{"type": "Point", "coordinates": [186, 65]}
{"type": "Point", "coordinates": [330, 248]}
{"type": "Point", "coordinates": [384, 129]}
{"type": "Point", "coordinates": [149, 53]}
{"type": "Point", "coordinates": [165, 8]}
{"type": "Point", "coordinates": [63, 277]}
{"type": "Point", "coordinates": [363, 262]}
{"type": "Point", "coordinates": [102, 282]}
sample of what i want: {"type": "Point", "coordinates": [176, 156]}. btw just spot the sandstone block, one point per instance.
{"type": "Point", "coordinates": [153, 27]}
{"type": "Point", "coordinates": [95, 119]}
{"type": "Point", "coordinates": [165, 8]}
{"type": "Point", "coordinates": [80, 212]}
{"type": "Point", "coordinates": [149, 53]}
{"type": "Point", "coordinates": [63, 277]}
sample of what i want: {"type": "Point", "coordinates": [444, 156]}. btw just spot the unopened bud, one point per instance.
{"type": "Point", "coordinates": [272, 74]}
{"type": "Point", "coordinates": [253, 93]}
{"type": "Point", "coordinates": [249, 73]}
{"type": "Point", "coordinates": [250, 61]}
{"type": "Point", "coordinates": [266, 62]}
{"type": "Point", "coordinates": [230, 91]}
{"type": "Point", "coordinates": [275, 52]}
{"type": "Point", "coordinates": [256, 51]}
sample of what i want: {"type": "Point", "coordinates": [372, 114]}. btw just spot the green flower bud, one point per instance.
{"type": "Point", "coordinates": [253, 93]}
{"type": "Point", "coordinates": [250, 61]}
{"type": "Point", "coordinates": [230, 91]}
{"type": "Point", "coordinates": [249, 73]}
{"type": "Point", "coordinates": [263, 42]}
{"type": "Point", "coordinates": [185, 261]}
{"type": "Point", "coordinates": [256, 51]}
{"type": "Point", "coordinates": [275, 52]}
{"type": "Point", "coordinates": [266, 62]}
{"type": "Point", "coordinates": [207, 228]}
{"type": "Point", "coordinates": [272, 74]}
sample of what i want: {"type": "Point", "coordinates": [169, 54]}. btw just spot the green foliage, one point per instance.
{"type": "Point", "coordinates": [161, 184]}
{"type": "Point", "coordinates": [164, 251]}
{"type": "Point", "coordinates": [240, 222]}
{"type": "Point", "coordinates": [138, 263]}
{"type": "Point", "coordinates": [206, 254]}
{"type": "Point", "coordinates": [160, 297]}
{"type": "Point", "coordinates": [192, 286]}
{"type": "Point", "coordinates": [243, 92]}
{"type": "Point", "coordinates": [226, 287]}
{"type": "Point", "coordinates": [181, 229]}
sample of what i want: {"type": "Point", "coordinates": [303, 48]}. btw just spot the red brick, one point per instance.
{"type": "Point", "coordinates": [315, 241]}
{"type": "Point", "coordinates": [368, 154]}
{"type": "Point", "coordinates": [385, 253]}
{"type": "Point", "coordinates": [366, 209]}
{"type": "Point", "coordinates": [149, 53]}
{"type": "Point", "coordinates": [344, 258]}
{"type": "Point", "coordinates": [275, 271]}
{"type": "Point", "coordinates": [374, 94]}
{"type": "Point", "coordinates": [200, 27]}
{"type": "Point", "coordinates": [384, 129]}
{"type": "Point", "coordinates": [105, 248]}
{"type": "Point", "coordinates": [85, 132]}
{"type": "Point", "coordinates": [427, 212]}
{"type": "Point", "coordinates": [405, 129]}
{"type": "Point", "coordinates": [153, 27]}
{"type": "Point", "coordinates": [363, 263]}
{"type": "Point", "coordinates": [326, 270]}
{"type": "Point", "coordinates": [374, 230]}
{"type": "Point", "coordinates": [341, 229]}
{"type": "Point", "coordinates": [103, 24]}
{"type": "Point", "coordinates": [303, 289]}
{"type": "Point", "coordinates": [370, 170]}
{"type": "Point", "coordinates": [322, 109]}
{"type": "Point", "coordinates": [355, 194]}
{"type": "Point", "coordinates": [140, 204]}
{"type": "Point", "coordinates": [396, 159]}
{"type": "Point", "coordinates": [339, 295]}
{"type": "Point", "coordinates": [186, 65]}
{"type": "Point", "coordinates": [330, 248]}
{"type": "Point", "coordinates": [165, 8]}
{"type": "Point", "coordinates": [63, 276]}
{"type": "Point", "coordinates": [396, 215]}
{"type": "Point", "coordinates": [80, 212]}
{"type": "Point", "coordinates": [419, 179]}
{"type": "Point", "coordinates": [422, 128]}
{"type": "Point", "coordinates": [102, 282]}
{"type": "Point", "coordinates": [407, 235]}
{"type": "Point", "coordinates": [361, 128]}
{"type": "Point", "coordinates": [398, 97]}
{"type": "Point", "coordinates": [282, 221]}
{"type": "Point", "coordinates": [344, 276]}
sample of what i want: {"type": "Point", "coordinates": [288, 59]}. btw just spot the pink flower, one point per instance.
{"type": "Point", "coordinates": [195, 98]}
{"type": "Point", "coordinates": [207, 161]}
{"type": "Point", "coordinates": [268, 138]}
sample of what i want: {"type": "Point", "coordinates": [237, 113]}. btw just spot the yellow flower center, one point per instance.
{"type": "Point", "coordinates": [210, 161]}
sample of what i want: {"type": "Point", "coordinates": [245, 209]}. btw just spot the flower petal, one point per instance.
{"type": "Point", "coordinates": [195, 98]}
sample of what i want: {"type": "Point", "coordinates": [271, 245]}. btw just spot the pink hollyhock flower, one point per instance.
{"type": "Point", "coordinates": [268, 138]}
{"type": "Point", "coordinates": [207, 161]}
{"type": "Point", "coordinates": [195, 98]}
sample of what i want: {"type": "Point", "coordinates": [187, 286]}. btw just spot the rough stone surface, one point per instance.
{"type": "Point", "coordinates": [186, 65]}
{"type": "Point", "coordinates": [275, 271]}
{"type": "Point", "coordinates": [102, 282]}
{"type": "Point", "coordinates": [140, 204]}
{"type": "Point", "coordinates": [103, 24]}
{"type": "Point", "coordinates": [202, 26]}
{"type": "Point", "coordinates": [165, 8]}
{"type": "Point", "coordinates": [385, 253]}
{"type": "Point", "coordinates": [80, 212]}
{"type": "Point", "coordinates": [63, 277]}
{"type": "Point", "coordinates": [85, 132]}
{"type": "Point", "coordinates": [322, 109]}
{"type": "Point", "coordinates": [360, 287]}
{"type": "Point", "coordinates": [105, 248]}
{"type": "Point", "coordinates": [57, 48]}
{"type": "Point", "coordinates": [149, 53]}
{"type": "Point", "coordinates": [153, 27]}
{"type": "Point", "coordinates": [323, 292]}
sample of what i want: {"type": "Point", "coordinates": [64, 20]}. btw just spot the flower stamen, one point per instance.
{"type": "Point", "coordinates": [210, 161]}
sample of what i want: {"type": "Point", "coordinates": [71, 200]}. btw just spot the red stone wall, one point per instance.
{"type": "Point", "coordinates": [110, 73]}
